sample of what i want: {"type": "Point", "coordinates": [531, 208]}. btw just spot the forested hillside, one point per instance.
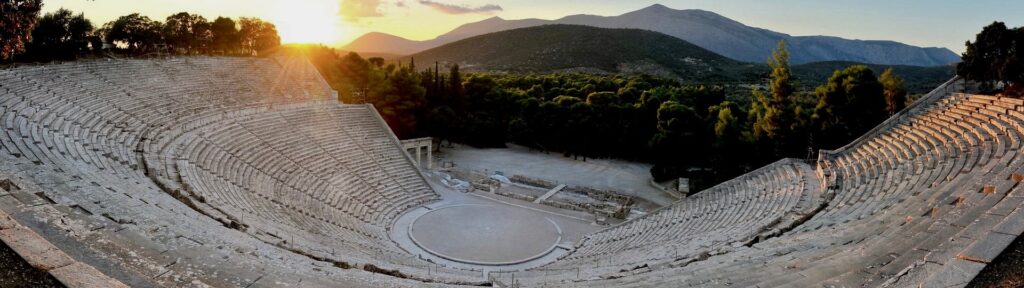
{"type": "Point", "coordinates": [572, 48]}
{"type": "Point", "coordinates": [581, 49]}
{"type": "Point", "coordinates": [919, 80]}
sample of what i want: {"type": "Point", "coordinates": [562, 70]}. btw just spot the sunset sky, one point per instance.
{"type": "Point", "coordinates": [942, 23]}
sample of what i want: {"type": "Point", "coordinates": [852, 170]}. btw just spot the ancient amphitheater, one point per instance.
{"type": "Point", "coordinates": [245, 172]}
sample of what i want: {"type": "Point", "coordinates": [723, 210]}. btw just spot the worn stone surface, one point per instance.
{"type": "Point", "coordinates": [15, 272]}
{"type": "Point", "coordinates": [80, 275]}
{"type": "Point", "coordinates": [6, 222]}
{"type": "Point", "coordinates": [955, 274]}
{"type": "Point", "coordinates": [1013, 224]}
{"type": "Point", "coordinates": [34, 249]}
{"type": "Point", "coordinates": [1006, 271]}
{"type": "Point", "coordinates": [988, 247]}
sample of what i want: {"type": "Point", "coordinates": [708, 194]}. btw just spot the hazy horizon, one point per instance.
{"type": "Point", "coordinates": [922, 23]}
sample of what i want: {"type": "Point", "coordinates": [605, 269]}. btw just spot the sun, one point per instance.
{"type": "Point", "coordinates": [313, 21]}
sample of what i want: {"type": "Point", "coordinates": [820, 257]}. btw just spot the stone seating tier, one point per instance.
{"type": "Point", "coordinates": [138, 147]}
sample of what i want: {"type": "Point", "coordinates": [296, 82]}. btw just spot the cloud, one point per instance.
{"type": "Point", "coordinates": [354, 10]}
{"type": "Point", "coordinates": [461, 9]}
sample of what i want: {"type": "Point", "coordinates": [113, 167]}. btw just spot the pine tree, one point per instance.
{"type": "Point", "coordinates": [773, 119]}
{"type": "Point", "coordinates": [455, 82]}
{"type": "Point", "coordinates": [849, 104]}
{"type": "Point", "coordinates": [895, 92]}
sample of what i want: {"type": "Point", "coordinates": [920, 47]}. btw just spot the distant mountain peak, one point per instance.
{"type": "Point", "coordinates": [656, 7]}
{"type": "Point", "coordinates": [578, 48]}
{"type": "Point", "coordinates": [706, 29]}
{"type": "Point", "coordinates": [658, 10]}
{"type": "Point", "coordinates": [662, 9]}
{"type": "Point", "coordinates": [375, 33]}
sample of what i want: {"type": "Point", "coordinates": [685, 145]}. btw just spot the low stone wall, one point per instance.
{"type": "Point", "coordinates": [620, 209]}
{"type": "Point", "coordinates": [467, 176]}
{"type": "Point", "coordinates": [612, 204]}
{"type": "Point", "coordinates": [599, 210]}
{"type": "Point", "coordinates": [602, 195]}
{"type": "Point", "coordinates": [502, 192]}
{"type": "Point", "coordinates": [533, 181]}
{"type": "Point", "coordinates": [485, 184]}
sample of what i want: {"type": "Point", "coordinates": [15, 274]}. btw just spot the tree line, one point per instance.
{"type": "Point", "coordinates": [685, 130]}
{"type": "Point", "coordinates": [65, 35]}
{"type": "Point", "coordinates": [995, 56]}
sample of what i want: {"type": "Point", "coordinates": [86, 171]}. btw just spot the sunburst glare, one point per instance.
{"type": "Point", "coordinates": [307, 21]}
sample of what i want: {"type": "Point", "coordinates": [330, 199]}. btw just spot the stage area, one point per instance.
{"type": "Point", "coordinates": [629, 178]}
{"type": "Point", "coordinates": [485, 234]}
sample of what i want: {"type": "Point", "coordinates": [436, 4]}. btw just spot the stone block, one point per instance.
{"type": "Point", "coordinates": [979, 228]}
{"type": "Point", "coordinates": [8, 185]}
{"type": "Point", "coordinates": [956, 273]}
{"type": "Point", "coordinates": [34, 249]}
{"type": "Point", "coordinates": [987, 248]}
{"type": "Point", "coordinates": [988, 189]}
{"type": "Point", "coordinates": [1013, 224]}
{"type": "Point", "coordinates": [29, 199]}
{"type": "Point", "coordinates": [80, 275]}
{"type": "Point", "coordinates": [6, 222]}
{"type": "Point", "coordinates": [1007, 205]}
{"type": "Point", "coordinates": [1017, 177]}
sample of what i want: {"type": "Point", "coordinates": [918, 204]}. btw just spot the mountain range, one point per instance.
{"type": "Point", "coordinates": [706, 29]}
{"type": "Point", "coordinates": [561, 48]}
{"type": "Point", "coordinates": [578, 48]}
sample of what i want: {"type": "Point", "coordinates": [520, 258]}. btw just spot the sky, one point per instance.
{"type": "Point", "coordinates": [928, 23]}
